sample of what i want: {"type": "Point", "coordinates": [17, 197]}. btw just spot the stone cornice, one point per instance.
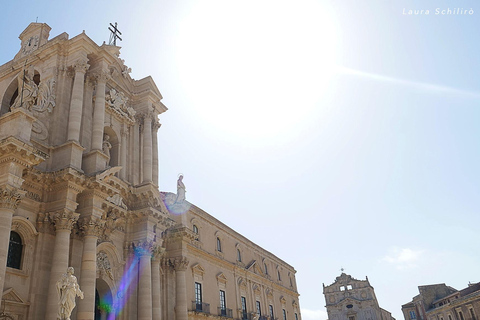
{"type": "Point", "coordinates": [179, 234]}
{"type": "Point", "coordinates": [15, 150]}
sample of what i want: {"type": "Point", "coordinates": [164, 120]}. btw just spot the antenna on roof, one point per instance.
{"type": "Point", "coordinates": [114, 36]}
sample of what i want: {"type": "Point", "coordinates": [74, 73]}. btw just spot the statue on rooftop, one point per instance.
{"type": "Point", "coordinates": [180, 190]}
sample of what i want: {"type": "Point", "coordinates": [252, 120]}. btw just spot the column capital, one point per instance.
{"type": "Point", "coordinates": [157, 253]}
{"type": "Point", "coordinates": [10, 197]}
{"type": "Point", "coordinates": [179, 263]}
{"type": "Point", "coordinates": [81, 65]}
{"type": "Point", "coordinates": [156, 125]}
{"type": "Point", "coordinates": [63, 219]}
{"type": "Point", "coordinates": [92, 226]}
{"type": "Point", "coordinates": [143, 248]}
{"type": "Point", "coordinates": [101, 76]}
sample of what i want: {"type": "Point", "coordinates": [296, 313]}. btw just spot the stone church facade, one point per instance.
{"type": "Point", "coordinates": [351, 299]}
{"type": "Point", "coordinates": [79, 188]}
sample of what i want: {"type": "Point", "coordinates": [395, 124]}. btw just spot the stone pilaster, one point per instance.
{"type": "Point", "coordinates": [156, 290]}
{"type": "Point", "coordinates": [92, 229]}
{"type": "Point", "coordinates": [63, 221]}
{"type": "Point", "coordinates": [76, 104]}
{"type": "Point", "coordinates": [99, 110]}
{"type": "Point", "coordinates": [156, 126]}
{"type": "Point", "coordinates": [147, 148]}
{"type": "Point", "coordinates": [9, 200]}
{"type": "Point", "coordinates": [123, 153]}
{"type": "Point", "coordinates": [144, 253]}
{"type": "Point", "coordinates": [180, 264]}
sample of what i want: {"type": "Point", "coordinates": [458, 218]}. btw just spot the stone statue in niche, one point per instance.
{"type": "Point", "coordinates": [68, 289]}
{"type": "Point", "coordinates": [106, 146]}
{"type": "Point", "coordinates": [180, 190]}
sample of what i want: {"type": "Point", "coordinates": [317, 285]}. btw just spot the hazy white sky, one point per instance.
{"type": "Point", "coordinates": [348, 128]}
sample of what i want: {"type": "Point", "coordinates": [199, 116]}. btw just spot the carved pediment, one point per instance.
{"type": "Point", "coordinates": [198, 269]}
{"type": "Point", "coordinates": [11, 295]}
{"type": "Point", "coordinates": [222, 278]}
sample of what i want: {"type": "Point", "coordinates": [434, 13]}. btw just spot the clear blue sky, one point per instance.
{"type": "Point", "coordinates": [332, 133]}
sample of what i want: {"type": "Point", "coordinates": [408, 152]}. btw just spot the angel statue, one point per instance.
{"type": "Point", "coordinates": [67, 289]}
{"type": "Point", "coordinates": [32, 96]}
{"type": "Point", "coordinates": [27, 91]}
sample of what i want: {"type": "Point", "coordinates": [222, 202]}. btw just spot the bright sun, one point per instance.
{"type": "Point", "coordinates": [256, 68]}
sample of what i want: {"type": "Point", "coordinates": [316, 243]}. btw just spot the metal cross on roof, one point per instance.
{"type": "Point", "coordinates": [114, 36]}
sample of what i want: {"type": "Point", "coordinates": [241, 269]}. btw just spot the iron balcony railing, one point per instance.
{"type": "Point", "coordinates": [225, 312]}
{"type": "Point", "coordinates": [200, 307]}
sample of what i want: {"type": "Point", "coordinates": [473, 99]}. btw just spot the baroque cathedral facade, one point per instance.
{"type": "Point", "coordinates": [79, 188]}
{"type": "Point", "coordinates": [351, 299]}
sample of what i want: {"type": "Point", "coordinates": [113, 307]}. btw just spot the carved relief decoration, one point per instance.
{"type": "Point", "coordinates": [10, 198]}
{"type": "Point", "coordinates": [103, 264]}
{"type": "Point", "coordinates": [117, 102]}
{"type": "Point", "coordinates": [117, 200]}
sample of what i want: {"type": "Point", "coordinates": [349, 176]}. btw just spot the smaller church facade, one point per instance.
{"type": "Point", "coordinates": [351, 299]}
{"type": "Point", "coordinates": [79, 188]}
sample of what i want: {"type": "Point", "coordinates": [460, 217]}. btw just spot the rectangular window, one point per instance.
{"type": "Point", "coordinates": [472, 313]}
{"type": "Point", "coordinates": [259, 310]}
{"type": "Point", "coordinates": [270, 308]}
{"type": "Point", "coordinates": [244, 308]}
{"type": "Point", "coordinates": [449, 317]}
{"type": "Point", "coordinates": [223, 305]}
{"type": "Point", "coordinates": [351, 318]}
{"type": "Point", "coordinates": [198, 295]}
{"type": "Point", "coordinates": [413, 315]}
{"type": "Point", "coordinates": [284, 314]}
{"type": "Point", "coordinates": [342, 288]}
{"type": "Point", "coordinates": [296, 316]}
{"type": "Point", "coordinates": [460, 313]}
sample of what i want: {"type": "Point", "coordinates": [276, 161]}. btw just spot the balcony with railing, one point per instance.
{"type": "Point", "coordinates": [200, 307]}
{"type": "Point", "coordinates": [225, 312]}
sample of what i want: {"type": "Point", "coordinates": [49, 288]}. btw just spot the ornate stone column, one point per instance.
{"type": "Point", "coordinates": [92, 229]}
{"type": "Point", "coordinates": [156, 293]}
{"type": "Point", "coordinates": [144, 252]}
{"type": "Point", "coordinates": [156, 126]}
{"type": "Point", "coordinates": [181, 311]}
{"type": "Point", "coordinates": [9, 200]}
{"type": "Point", "coordinates": [99, 110]}
{"type": "Point", "coordinates": [63, 221]}
{"type": "Point", "coordinates": [76, 104]}
{"type": "Point", "coordinates": [123, 153]}
{"type": "Point", "coordinates": [147, 148]}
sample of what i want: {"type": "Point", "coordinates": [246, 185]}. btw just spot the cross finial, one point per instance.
{"type": "Point", "coordinates": [115, 35]}
{"type": "Point", "coordinates": [341, 269]}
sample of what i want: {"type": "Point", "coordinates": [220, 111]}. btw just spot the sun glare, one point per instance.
{"type": "Point", "coordinates": [256, 69]}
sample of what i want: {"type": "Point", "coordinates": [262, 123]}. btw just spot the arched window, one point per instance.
{"type": "Point", "coordinates": [239, 255]}
{"type": "Point", "coordinates": [15, 249]}
{"type": "Point", "coordinates": [219, 245]}
{"type": "Point", "coordinates": [195, 229]}
{"type": "Point", "coordinates": [266, 269]}
{"type": "Point", "coordinates": [279, 277]}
